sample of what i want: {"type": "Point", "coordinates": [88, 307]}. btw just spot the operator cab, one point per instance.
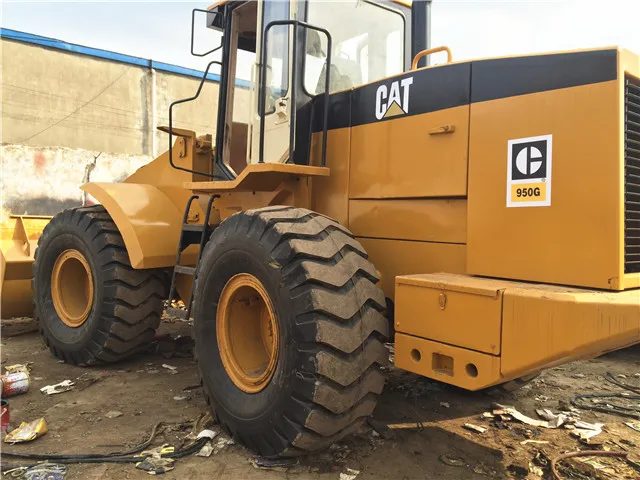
{"type": "Point", "coordinates": [362, 41]}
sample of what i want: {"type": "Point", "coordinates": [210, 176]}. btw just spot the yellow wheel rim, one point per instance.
{"type": "Point", "coordinates": [72, 288]}
{"type": "Point", "coordinates": [247, 331]}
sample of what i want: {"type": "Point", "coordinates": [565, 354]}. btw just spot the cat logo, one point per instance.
{"type": "Point", "coordinates": [393, 101]}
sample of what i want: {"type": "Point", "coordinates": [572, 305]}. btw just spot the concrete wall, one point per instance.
{"type": "Point", "coordinates": [45, 180]}
{"type": "Point", "coordinates": [60, 109]}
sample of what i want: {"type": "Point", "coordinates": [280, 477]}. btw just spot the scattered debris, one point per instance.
{"type": "Point", "coordinates": [349, 474]}
{"type": "Point", "coordinates": [207, 448]}
{"type": "Point", "coordinates": [172, 370]}
{"type": "Point", "coordinates": [45, 471]}
{"type": "Point", "coordinates": [181, 397]}
{"type": "Point", "coordinates": [512, 412]}
{"type": "Point", "coordinates": [89, 378]}
{"type": "Point", "coordinates": [584, 431]}
{"type": "Point", "coordinates": [537, 471]}
{"type": "Point", "coordinates": [14, 384]}
{"type": "Point", "coordinates": [582, 453]}
{"type": "Point", "coordinates": [61, 387]}
{"type": "Point", "coordinates": [519, 469]}
{"type": "Point", "coordinates": [402, 426]}
{"type": "Point", "coordinates": [541, 398]}
{"type": "Point", "coordinates": [537, 442]}
{"type": "Point", "coordinates": [222, 443]}
{"type": "Point", "coordinates": [275, 463]}
{"type": "Point", "coordinates": [156, 465]}
{"type": "Point", "coordinates": [452, 461]}
{"type": "Point", "coordinates": [488, 415]}
{"type": "Point", "coordinates": [474, 428]}
{"type": "Point", "coordinates": [578, 375]}
{"type": "Point", "coordinates": [27, 431]}
{"type": "Point", "coordinates": [113, 414]}
{"type": "Point", "coordinates": [205, 451]}
{"type": "Point", "coordinates": [633, 425]}
{"type": "Point", "coordinates": [19, 367]}
{"type": "Point", "coordinates": [445, 404]}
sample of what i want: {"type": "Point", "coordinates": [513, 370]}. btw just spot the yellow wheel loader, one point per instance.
{"type": "Point", "coordinates": [482, 214]}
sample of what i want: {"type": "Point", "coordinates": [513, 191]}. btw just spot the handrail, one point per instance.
{"type": "Point", "coordinates": [429, 51]}
{"type": "Point", "coordinates": [177, 102]}
{"type": "Point", "coordinates": [263, 87]}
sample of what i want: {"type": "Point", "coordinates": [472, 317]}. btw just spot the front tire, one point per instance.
{"type": "Point", "coordinates": [314, 376]}
{"type": "Point", "coordinates": [91, 306]}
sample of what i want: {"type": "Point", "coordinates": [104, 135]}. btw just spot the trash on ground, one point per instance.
{"type": "Point", "coordinates": [205, 451]}
{"type": "Point", "coordinates": [274, 463]}
{"type": "Point", "coordinates": [113, 414]}
{"type": "Point", "coordinates": [172, 370]}
{"type": "Point", "coordinates": [541, 398]}
{"type": "Point", "coordinates": [181, 397]}
{"type": "Point", "coordinates": [452, 460]}
{"type": "Point", "coordinates": [396, 426]}
{"type": "Point", "coordinates": [5, 416]}
{"type": "Point", "coordinates": [61, 387]}
{"type": "Point", "coordinates": [156, 465]}
{"type": "Point", "coordinates": [474, 428]}
{"type": "Point", "coordinates": [633, 425]}
{"type": "Point", "coordinates": [488, 415]}
{"type": "Point", "coordinates": [537, 471]}
{"type": "Point", "coordinates": [221, 443]}
{"type": "Point", "coordinates": [445, 404]}
{"type": "Point", "coordinates": [27, 431]}
{"type": "Point", "coordinates": [14, 384]}
{"type": "Point", "coordinates": [537, 442]}
{"type": "Point", "coordinates": [349, 474]}
{"type": "Point", "coordinates": [584, 431]}
{"type": "Point", "coordinates": [19, 367]}
{"type": "Point", "coordinates": [39, 471]}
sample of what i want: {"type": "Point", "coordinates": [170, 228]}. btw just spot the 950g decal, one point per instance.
{"type": "Point", "coordinates": [529, 172]}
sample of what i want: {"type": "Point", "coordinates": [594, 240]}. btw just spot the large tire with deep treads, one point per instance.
{"type": "Point", "coordinates": [330, 322]}
{"type": "Point", "coordinates": [125, 304]}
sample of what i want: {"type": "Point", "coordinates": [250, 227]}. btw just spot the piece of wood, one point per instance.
{"type": "Point", "coordinates": [13, 327]}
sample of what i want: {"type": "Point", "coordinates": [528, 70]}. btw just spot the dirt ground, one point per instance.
{"type": "Point", "coordinates": [147, 393]}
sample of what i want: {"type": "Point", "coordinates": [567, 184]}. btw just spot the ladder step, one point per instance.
{"type": "Point", "coordinates": [177, 313]}
{"type": "Point", "coordinates": [193, 227]}
{"type": "Point", "coordinates": [185, 270]}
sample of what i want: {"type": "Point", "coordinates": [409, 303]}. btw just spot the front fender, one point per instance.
{"type": "Point", "coordinates": [148, 220]}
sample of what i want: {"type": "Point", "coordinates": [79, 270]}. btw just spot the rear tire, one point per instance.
{"type": "Point", "coordinates": [330, 328]}
{"type": "Point", "coordinates": [124, 305]}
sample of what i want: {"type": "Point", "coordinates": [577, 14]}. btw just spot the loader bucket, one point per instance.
{"type": "Point", "coordinates": [18, 238]}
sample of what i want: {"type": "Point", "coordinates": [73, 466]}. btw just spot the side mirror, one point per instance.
{"type": "Point", "coordinates": [213, 22]}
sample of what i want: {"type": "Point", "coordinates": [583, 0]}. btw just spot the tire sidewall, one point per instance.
{"type": "Point", "coordinates": [60, 237]}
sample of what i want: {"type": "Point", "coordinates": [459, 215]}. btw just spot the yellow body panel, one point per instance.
{"type": "Point", "coordinates": [466, 313]}
{"type": "Point", "coordinates": [445, 363]}
{"type": "Point", "coordinates": [584, 218]}
{"type": "Point", "coordinates": [428, 220]}
{"type": "Point", "coordinates": [18, 240]}
{"type": "Point", "coordinates": [535, 326]}
{"type": "Point", "coordinates": [388, 158]}
{"type": "Point", "coordinates": [399, 257]}
{"type": "Point", "coordinates": [330, 198]}
{"type": "Point", "coordinates": [147, 219]}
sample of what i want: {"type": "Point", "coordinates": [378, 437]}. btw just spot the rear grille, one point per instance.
{"type": "Point", "coordinates": [632, 176]}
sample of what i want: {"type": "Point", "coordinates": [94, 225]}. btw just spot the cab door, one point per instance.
{"type": "Point", "coordinates": [277, 106]}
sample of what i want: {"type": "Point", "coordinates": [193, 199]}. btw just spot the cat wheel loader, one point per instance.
{"type": "Point", "coordinates": [484, 215]}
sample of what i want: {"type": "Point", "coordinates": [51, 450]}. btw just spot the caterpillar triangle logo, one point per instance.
{"type": "Point", "coordinates": [393, 100]}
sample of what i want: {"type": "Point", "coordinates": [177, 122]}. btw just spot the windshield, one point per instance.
{"type": "Point", "coordinates": [368, 44]}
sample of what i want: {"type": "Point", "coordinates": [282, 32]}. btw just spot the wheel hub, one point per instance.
{"type": "Point", "coordinates": [247, 332]}
{"type": "Point", "coordinates": [72, 288]}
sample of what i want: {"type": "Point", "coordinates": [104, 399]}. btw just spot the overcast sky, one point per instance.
{"type": "Point", "coordinates": [473, 28]}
